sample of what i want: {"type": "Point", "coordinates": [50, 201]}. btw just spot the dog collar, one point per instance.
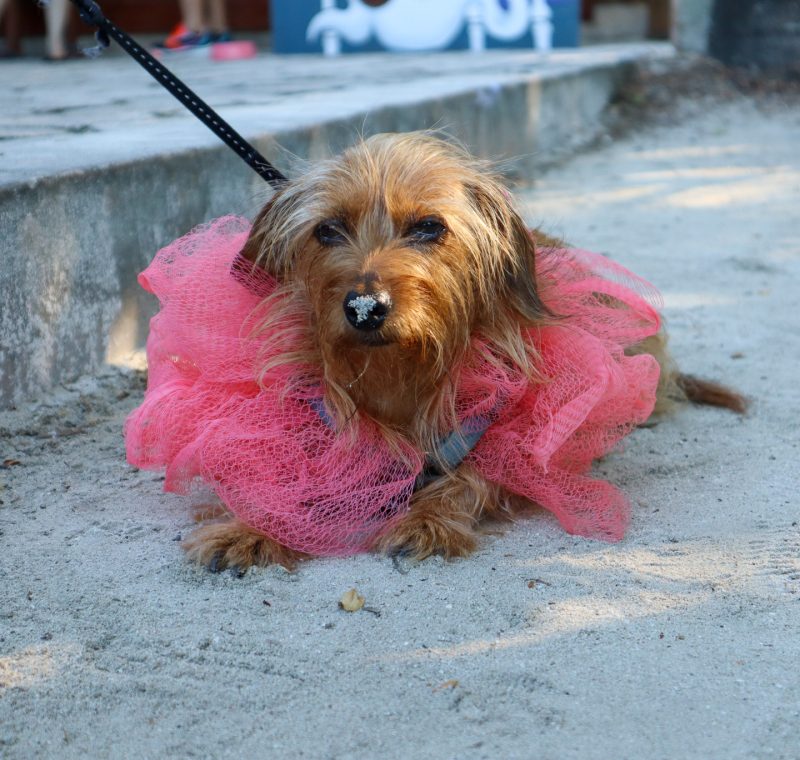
{"type": "Point", "coordinates": [451, 450]}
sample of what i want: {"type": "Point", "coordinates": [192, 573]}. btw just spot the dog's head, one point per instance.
{"type": "Point", "coordinates": [394, 255]}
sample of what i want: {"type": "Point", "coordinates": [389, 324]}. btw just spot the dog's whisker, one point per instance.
{"type": "Point", "coordinates": [360, 374]}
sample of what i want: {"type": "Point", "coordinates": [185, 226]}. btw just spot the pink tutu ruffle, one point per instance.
{"type": "Point", "coordinates": [269, 454]}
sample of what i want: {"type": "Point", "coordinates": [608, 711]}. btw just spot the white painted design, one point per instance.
{"type": "Point", "coordinates": [541, 25]}
{"type": "Point", "coordinates": [416, 25]}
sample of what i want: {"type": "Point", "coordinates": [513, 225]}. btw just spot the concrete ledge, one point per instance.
{"type": "Point", "coordinates": [100, 168]}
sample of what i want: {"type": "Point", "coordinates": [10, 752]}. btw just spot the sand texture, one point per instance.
{"type": "Point", "coordinates": [682, 641]}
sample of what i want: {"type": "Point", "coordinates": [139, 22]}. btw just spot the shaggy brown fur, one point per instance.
{"type": "Point", "coordinates": [428, 227]}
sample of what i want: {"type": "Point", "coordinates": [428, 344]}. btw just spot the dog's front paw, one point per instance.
{"type": "Point", "coordinates": [421, 535]}
{"type": "Point", "coordinates": [232, 544]}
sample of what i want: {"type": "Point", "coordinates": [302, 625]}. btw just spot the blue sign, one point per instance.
{"type": "Point", "coordinates": [314, 26]}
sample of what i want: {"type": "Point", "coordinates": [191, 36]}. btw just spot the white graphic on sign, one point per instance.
{"type": "Point", "coordinates": [416, 25]}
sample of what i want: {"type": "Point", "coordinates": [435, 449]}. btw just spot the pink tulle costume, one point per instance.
{"type": "Point", "coordinates": [270, 452]}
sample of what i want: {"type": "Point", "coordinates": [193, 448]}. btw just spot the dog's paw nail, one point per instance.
{"type": "Point", "coordinates": [397, 555]}
{"type": "Point", "coordinates": [238, 572]}
{"type": "Point", "coordinates": [215, 565]}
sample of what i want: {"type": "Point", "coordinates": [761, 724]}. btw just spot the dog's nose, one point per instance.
{"type": "Point", "coordinates": [367, 311]}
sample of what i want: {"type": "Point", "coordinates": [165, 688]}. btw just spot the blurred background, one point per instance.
{"type": "Point", "coordinates": [749, 33]}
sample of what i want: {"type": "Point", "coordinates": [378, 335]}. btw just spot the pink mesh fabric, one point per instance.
{"type": "Point", "coordinates": [268, 452]}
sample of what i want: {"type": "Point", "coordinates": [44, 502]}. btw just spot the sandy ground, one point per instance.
{"type": "Point", "coordinates": [679, 642]}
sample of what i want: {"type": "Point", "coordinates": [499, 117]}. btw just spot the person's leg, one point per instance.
{"type": "Point", "coordinates": [193, 17]}
{"type": "Point", "coordinates": [56, 16]}
{"type": "Point", "coordinates": [10, 13]}
{"type": "Point", "coordinates": [14, 27]}
{"type": "Point", "coordinates": [217, 17]}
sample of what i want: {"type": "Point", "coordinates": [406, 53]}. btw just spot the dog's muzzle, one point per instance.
{"type": "Point", "coordinates": [367, 311]}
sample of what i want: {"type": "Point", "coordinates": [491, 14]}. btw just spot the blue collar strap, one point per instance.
{"type": "Point", "coordinates": [451, 450]}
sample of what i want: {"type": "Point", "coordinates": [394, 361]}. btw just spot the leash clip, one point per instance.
{"type": "Point", "coordinates": [92, 15]}
{"type": "Point", "coordinates": [90, 12]}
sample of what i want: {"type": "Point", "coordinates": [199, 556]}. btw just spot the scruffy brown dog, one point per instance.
{"type": "Point", "coordinates": [395, 255]}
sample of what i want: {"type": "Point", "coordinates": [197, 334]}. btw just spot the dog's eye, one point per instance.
{"type": "Point", "coordinates": [330, 233]}
{"type": "Point", "coordinates": [427, 230]}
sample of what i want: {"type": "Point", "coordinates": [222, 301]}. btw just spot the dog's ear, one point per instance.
{"type": "Point", "coordinates": [514, 244]}
{"type": "Point", "coordinates": [256, 247]}
{"type": "Point", "coordinates": [279, 231]}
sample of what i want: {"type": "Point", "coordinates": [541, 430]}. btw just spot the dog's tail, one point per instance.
{"type": "Point", "coordinates": [709, 393]}
{"type": "Point", "coordinates": [675, 387]}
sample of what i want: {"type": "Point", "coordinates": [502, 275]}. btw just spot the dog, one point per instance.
{"type": "Point", "coordinates": [390, 261]}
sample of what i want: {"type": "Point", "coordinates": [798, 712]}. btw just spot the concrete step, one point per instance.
{"type": "Point", "coordinates": [99, 167]}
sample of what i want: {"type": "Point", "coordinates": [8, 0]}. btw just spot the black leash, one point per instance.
{"type": "Point", "coordinates": [454, 448]}
{"type": "Point", "coordinates": [92, 14]}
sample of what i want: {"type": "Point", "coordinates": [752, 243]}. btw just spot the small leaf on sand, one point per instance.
{"type": "Point", "coordinates": [451, 684]}
{"type": "Point", "coordinates": [351, 601]}
{"type": "Point", "coordinates": [534, 582]}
